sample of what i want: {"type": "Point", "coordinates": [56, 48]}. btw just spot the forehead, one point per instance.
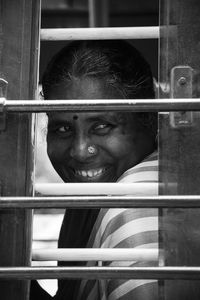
{"type": "Point", "coordinates": [89, 117]}
{"type": "Point", "coordinates": [85, 88]}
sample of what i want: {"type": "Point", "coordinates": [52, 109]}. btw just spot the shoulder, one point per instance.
{"type": "Point", "coordinates": [145, 171]}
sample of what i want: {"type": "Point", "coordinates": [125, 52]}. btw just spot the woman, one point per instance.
{"type": "Point", "coordinates": [100, 147]}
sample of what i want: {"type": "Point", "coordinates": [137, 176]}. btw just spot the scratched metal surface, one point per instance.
{"type": "Point", "coordinates": [179, 146]}
{"type": "Point", "coordinates": [18, 64]}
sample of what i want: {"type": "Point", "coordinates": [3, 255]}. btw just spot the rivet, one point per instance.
{"type": "Point", "coordinates": [182, 81]}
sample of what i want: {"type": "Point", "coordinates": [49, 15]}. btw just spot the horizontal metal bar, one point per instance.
{"type": "Point", "coordinates": [134, 105]}
{"type": "Point", "coordinates": [100, 188]}
{"type": "Point", "coordinates": [101, 201]}
{"type": "Point", "coordinates": [95, 254]}
{"type": "Point", "coordinates": [101, 33]}
{"type": "Point", "coordinates": [21, 273]}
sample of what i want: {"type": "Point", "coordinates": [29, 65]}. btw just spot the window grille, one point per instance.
{"type": "Point", "coordinates": [68, 197]}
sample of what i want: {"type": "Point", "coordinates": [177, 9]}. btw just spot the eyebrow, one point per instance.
{"type": "Point", "coordinates": [90, 119]}
{"type": "Point", "coordinates": [103, 115]}
{"type": "Point", "coordinates": [105, 118]}
{"type": "Point", "coordinates": [95, 118]}
{"type": "Point", "coordinates": [57, 122]}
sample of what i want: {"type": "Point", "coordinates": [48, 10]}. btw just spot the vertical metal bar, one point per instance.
{"type": "Point", "coordinates": [179, 145]}
{"type": "Point", "coordinates": [19, 21]}
{"type": "Point", "coordinates": [98, 13]}
{"type": "Point", "coordinates": [3, 93]}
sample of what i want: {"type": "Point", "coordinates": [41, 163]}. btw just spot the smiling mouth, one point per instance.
{"type": "Point", "coordinates": [90, 174]}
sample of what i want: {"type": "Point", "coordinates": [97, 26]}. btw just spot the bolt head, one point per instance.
{"type": "Point", "coordinates": [182, 81]}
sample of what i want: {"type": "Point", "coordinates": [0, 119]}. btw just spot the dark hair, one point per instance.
{"type": "Point", "coordinates": [117, 62]}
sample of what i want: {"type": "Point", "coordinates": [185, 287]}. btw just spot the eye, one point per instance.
{"type": "Point", "coordinates": [64, 131]}
{"type": "Point", "coordinates": [103, 128]}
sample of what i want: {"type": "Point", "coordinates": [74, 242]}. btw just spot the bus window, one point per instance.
{"type": "Point", "coordinates": [176, 76]}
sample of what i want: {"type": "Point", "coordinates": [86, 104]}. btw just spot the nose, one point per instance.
{"type": "Point", "coordinates": [81, 149]}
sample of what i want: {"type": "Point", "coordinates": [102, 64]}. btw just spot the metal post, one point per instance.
{"type": "Point", "coordinates": [179, 141]}
{"type": "Point", "coordinates": [19, 21]}
{"type": "Point", "coordinates": [98, 13]}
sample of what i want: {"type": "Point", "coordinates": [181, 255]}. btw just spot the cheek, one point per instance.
{"type": "Point", "coordinates": [56, 149]}
{"type": "Point", "coordinates": [52, 152]}
{"type": "Point", "coordinates": [120, 146]}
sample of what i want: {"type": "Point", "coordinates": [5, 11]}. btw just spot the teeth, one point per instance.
{"type": "Point", "coordinates": [84, 173]}
{"type": "Point", "coordinates": [95, 173]}
{"type": "Point", "coordinates": [89, 173]}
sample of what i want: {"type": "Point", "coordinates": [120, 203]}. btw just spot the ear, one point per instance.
{"type": "Point", "coordinates": [40, 93]}
{"type": "Point", "coordinates": [156, 87]}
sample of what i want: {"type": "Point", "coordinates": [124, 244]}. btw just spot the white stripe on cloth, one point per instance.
{"type": "Point", "coordinates": [144, 164]}
{"type": "Point", "coordinates": [129, 263]}
{"type": "Point", "coordinates": [110, 214]}
{"type": "Point", "coordinates": [131, 228]}
{"type": "Point", "coordinates": [126, 287]}
{"type": "Point", "coordinates": [140, 169]}
{"type": "Point", "coordinates": [141, 176]}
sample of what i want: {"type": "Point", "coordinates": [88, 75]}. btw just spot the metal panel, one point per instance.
{"type": "Point", "coordinates": [19, 20]}
{"type": "Point", "coordinates": [179, 145]}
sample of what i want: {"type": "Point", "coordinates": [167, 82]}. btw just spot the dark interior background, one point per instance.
{"type": "Point", "coordinates": [121, 13]}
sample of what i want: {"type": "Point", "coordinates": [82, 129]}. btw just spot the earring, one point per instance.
{"type": "Point", "coordinates": [92, 149]}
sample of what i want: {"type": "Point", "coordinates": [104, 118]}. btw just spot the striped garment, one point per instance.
{"type": "Point", "coordinates": [126, 228]}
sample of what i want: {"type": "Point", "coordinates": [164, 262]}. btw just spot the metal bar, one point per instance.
{"type": "Point", "coordinates": [103, 188]}
{"type": "Point", "coordinates": [101, 105]}
{"type": "Point", "coordinates": [105, 33]}
{"type": "Point", "coordinates": [135, 105]}
{"type": "Point", "coordinates": [3, 93]}
{"type": "Point", "coordinates": [101, 201]}
{"type": "Point", "coordinates": [21, 273]}
{"type": "Point", "coordinates": [98, 13]}
{"type": "Point", "coordinates": [19, 57]}
{"type": "Point", "coordinates": [74, 254]}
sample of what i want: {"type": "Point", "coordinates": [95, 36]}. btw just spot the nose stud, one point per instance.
{"type": "Point", "coordinates": [92, 149]}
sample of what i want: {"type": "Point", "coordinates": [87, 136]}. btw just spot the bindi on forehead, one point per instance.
{"type": "Point", "coordinates": [75, 117]}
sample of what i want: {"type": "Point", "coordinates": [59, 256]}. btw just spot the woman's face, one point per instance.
{"type": "Point", "coordinates": [94, 146]}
